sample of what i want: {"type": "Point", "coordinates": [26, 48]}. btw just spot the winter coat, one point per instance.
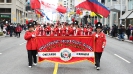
{"type": "Point", "coordinates": [128, 31]}
{"type": "Point", "coordinates": [18, 29]}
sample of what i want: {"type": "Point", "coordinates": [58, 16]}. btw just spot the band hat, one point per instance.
{"type": "Point", "coordinates": [99, 25]}
{"type": "Point", "coordinates": [30, 25]}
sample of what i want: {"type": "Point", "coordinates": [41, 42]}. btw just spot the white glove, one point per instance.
{"type": "Point", "coordinates": [66, 28]}
{"type": "Point", "coordinates": [33, 35]}
{"type": "Point", "coordinates": [96, 35]}
{"type": "Point", "coordinates": [74, 28]}
{"type": "Point", "coordinates": [103, 47]}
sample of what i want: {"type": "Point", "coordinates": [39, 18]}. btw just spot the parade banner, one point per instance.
{"type": "Point", "coordinates": [65, 50]}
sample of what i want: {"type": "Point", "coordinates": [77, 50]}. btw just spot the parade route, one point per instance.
{"type": "Point", "coordinates": [116, 59]}
{"type": "Point", "coordinates": [122, 58]}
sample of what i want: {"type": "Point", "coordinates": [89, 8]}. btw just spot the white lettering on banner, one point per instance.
{"type": "Point", "coordinates": [58, 54]}
{"type": "Point", "coordinates": [83, 54]}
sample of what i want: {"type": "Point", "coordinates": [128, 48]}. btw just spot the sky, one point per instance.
{"type": "Point", "coordinates": [52, 1]}
{"type": "Point", "coordinates": [49, 1]}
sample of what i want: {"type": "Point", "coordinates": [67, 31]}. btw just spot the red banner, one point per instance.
{"type": "Point", "coordinates": [66, 49]}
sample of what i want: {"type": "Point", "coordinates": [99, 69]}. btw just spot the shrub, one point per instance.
{"type": "Point", "coordinates": [1, 33]}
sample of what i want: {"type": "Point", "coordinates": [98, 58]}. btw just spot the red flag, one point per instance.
{"type": "Point", "coordinates": [61, 9]}
{"type": "Point", "coordinates": [35, 4]}
{"type": "Point", "coordinates": [94, 6]}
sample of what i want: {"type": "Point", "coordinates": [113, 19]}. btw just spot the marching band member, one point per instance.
{"type": "Point", "coordinates": [63, 30]}
{"type": "Point", "coordinates": [48, 29]}
{"type": "Point", "coordinates": [71, 30]}
{"type": "Point", "coordinates": [78, 31]}
{"type": "Point", "coordinates": [90, 29]}
{"type": "Point", "coordinates": [85, 31]}
{"type": "Point", "coordinates": [59, 33]}
{"type": "Point", "coordinates": [42, 31]}
{"type": "Point", "coordinates": [31, 45]}
{"type": "Point", "coordinates": [74, 29]}
{"type": "Point", "coordinates": [37, 29]}
{"type": "Point", "coordinates": [100, 43]}
{"type": "Point", "coordinates": [56, 30]}
{"type": "Point", "coordinates": [67, 30]}
{"type": "Point", "coordinates": [52, 31]}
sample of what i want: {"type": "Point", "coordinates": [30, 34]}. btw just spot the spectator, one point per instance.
{"type": "Point", "coordinates": [121, 32]}
{"type": "Point", "coordinates": [128, 32]}
{"type": "Point", "coordinates": [18, 30]}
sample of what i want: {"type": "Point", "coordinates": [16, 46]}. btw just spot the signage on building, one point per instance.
{"type": "Point", "coordinates": [5, 16]}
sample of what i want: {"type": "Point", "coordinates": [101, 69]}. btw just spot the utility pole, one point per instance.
{"type": "Point", "coordinates": [120, 11]}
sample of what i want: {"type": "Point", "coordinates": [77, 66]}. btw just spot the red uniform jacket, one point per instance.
{"type": "Point", "coordinates": [31, 42]}
{"type": "Point", "coordinates": [79, 32]}
{"type": "Point", "coordinates": [37, 30]}
{"type": "Point", "coordinates": [85, 31]}
{"type": "Point", "coordinates": [48, 28]}
{"type": "Point", "coordinates": [99, 42]}
{"type": "Point", "coordinates": [63, 31]}
{"type": "Point", "coordinates": [70, 31]}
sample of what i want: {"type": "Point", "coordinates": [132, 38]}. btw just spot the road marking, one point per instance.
{"type": "Point", "coordinates": [0, 53]}
{"type": "Point", "coordinates": [122, 58]}
{"type": "Point", "coordinates": [22, 43]}
{"type": "Point", "coordinates": [55, 68]}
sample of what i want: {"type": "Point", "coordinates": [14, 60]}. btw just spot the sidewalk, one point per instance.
{"type": "Point", "coordinates": [126, 40]}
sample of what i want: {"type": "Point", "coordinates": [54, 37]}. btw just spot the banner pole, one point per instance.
{"type": "Point", "coordinates": [56, 68]}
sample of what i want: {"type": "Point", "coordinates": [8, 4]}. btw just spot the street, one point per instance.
{"type": "Point", "coordinates": [116, 59]}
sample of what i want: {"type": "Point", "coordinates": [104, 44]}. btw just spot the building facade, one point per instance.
{"type": "Point", "coordinates": [67, 3]}
{"type": "Point", "coordinates": [12, 11]}
{"type": "Point", "coordinates": [120, 12]}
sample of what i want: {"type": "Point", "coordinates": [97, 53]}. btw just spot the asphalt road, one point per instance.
{"type": "Point", "coordinates": [116, 59]}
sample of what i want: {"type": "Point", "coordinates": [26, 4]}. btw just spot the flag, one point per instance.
{"type": "Point", "coordinates": [99, 8]}
{"type": "Point", "coordinates": [51, 7]}
{"type": "Point", "coordinates": [38, 12]}
{"type": "Point", "coordinates": [61, 9]}
{"type": "Point", "coordinates": [43, 13]}
{"type": "Point", "coordinates": [94, 6]}
{"type": "Point", "coordinates": [35, 4]}
{"type": "Point", "coordinates": [61, 15]}
{"type": "Point", "coordinates": [92, 14]}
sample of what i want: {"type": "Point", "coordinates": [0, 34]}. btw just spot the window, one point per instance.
{"type": "Point", "coordinates": [8, 1]}
{"type": "Point", "coordinates": [130, 5]}
{"type": "Point", "coordinates": [5, 10]}
{"type": "Point", "coordinates": [1, 1]}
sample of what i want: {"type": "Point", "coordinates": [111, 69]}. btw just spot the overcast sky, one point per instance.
{"type": "Point", "coordinates": [52, 1]}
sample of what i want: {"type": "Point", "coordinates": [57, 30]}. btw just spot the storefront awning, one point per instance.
{"type": "Point", "coordinates": [126, 14]}
{"type": "Point", "coordinates": [130, 16]}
